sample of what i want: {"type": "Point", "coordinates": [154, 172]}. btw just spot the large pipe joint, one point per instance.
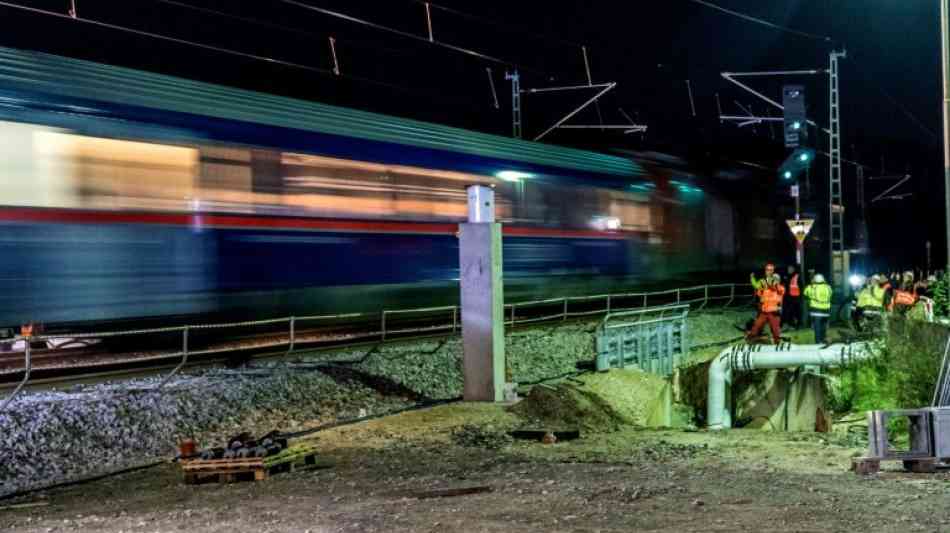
{"type": "Point", "coordinates": [747, 357]}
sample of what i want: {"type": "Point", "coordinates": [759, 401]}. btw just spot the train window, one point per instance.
{"type": "Point", "coordinates": [112, 173]}
{"type": "Point", "coordinates": [224, 181]}
{"type": "Point", "coordinates": [29, 178]}
{"type": "Point", "coordinates": [633, 214]}
{"type": "Point", "coordinates": [345, 188]}
{"type": "Point", "coordinates": [225, 169]}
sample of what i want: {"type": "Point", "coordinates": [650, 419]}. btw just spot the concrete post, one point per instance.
{"type": "Point", "coordinates": [480, 278]}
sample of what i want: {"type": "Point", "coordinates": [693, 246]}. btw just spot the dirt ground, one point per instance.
{"type": "Point", "coordinates": [626, 480]}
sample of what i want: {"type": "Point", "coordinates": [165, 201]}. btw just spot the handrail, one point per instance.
{"type": "Point", "coordinates": [27, 363]}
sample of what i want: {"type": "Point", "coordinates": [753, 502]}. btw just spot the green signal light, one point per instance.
{"type": "Point", "coordinates": [803, 158]}
{"type": "Point", "coordinates": [796, 125]}
{"type": "Point", "coordinates": [787, 175]}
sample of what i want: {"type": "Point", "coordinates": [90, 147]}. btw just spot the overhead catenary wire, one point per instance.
{"type": "Point", "coordinates": [287, 29]}
{"type": "Point", "coordinates": [201, 45]}
{"type": "Point", "coordinates": [283, 28]}
{"type": "Point", "coordinates": [762, 22]}
{"type": "Point", "coordinates": [903, 109]}
{"type": "Point", "coordinates": [909, 115]}
{"type": "Point", "coordinates": [408, 35]}
{"type": "Point", "coordinates": [495, 23]}
{"type": "Point", "coordinates": [237, 53]}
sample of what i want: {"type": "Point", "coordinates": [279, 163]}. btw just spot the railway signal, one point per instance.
{"type": "Point", "coordinates": [795, 121]}
{"type": "Point", "coordinates": [798, 162]}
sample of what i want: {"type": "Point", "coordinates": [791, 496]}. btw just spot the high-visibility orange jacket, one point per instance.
{"type": "Point", "coordinates": [793, 289]}
{"type": "Point", "coordinates": [770, 298]}
{"type": "Point", "coordinates": [902, 298]}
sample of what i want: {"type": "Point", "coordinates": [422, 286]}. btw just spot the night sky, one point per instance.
{"type": "Point", "coordinates": [890, 82]}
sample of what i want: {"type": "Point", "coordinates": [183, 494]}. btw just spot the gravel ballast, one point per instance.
{"type": "Point", "coordinates": [60, 436]}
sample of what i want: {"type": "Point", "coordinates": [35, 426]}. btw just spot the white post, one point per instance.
{"type": "Point", "coordinates": [482, 299]}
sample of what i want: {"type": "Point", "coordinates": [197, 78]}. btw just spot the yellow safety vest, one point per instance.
{"type": "Point", "coordinates": [866, 299]}
{"type": "Point", "coordinates": [819, 296]}
{"type": "Point", "coordinates": [878, 292]}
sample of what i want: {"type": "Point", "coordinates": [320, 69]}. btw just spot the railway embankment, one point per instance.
{"type": "Point", "coordinates": [58, 436]}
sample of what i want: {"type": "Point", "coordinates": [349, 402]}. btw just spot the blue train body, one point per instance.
{"type": "Point", "coordinates": [119, 207]}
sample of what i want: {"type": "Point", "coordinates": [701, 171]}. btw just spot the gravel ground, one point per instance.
{"type": "Point", "coordinates": [58, 436]}
{"type": "Point", "coordinates": [51, 437]}
{"type": "Point", "coordinates": [629, 480]}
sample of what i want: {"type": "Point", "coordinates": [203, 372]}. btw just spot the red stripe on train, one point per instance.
{"type": "Point", "coordinates": [74, 216]}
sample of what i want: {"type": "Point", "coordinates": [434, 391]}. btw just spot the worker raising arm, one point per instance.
{"type": "Point", "coordinates": [762, 283]}
{"type": "Point", "coordinates": [770, 292]}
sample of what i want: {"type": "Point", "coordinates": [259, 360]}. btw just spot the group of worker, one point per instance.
{"type": "Point", "coordinates": [775, 298]}
{"type": "Point", "coordinates": [895, 294]}
{"type": "Point", "coordinates": [898, 293]}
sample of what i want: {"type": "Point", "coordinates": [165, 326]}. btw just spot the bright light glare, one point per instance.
{"type": "Point", "coordinates": [606, 223]}
{"type": "Point", "coordinates": [856, 280]}
{"type": "Point", "coordinates": [512, 175]}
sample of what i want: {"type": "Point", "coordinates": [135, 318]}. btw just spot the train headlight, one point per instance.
{"type": "Point", "coordinates": [856, 280]}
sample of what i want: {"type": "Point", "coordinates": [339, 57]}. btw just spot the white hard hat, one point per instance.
{"type": "Point", "coordinates": [819, 278]}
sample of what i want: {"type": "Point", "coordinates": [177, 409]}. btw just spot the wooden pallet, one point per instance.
{"type": "Point", "coordinates": [867, 466]}
{"type": "Point", "coordinates": [250, 469]}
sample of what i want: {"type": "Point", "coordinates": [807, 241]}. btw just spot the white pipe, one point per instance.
{"type": "Point", "coordinates": [746, 357]}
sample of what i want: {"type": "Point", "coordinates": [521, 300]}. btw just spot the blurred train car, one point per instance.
{"type": "Point", "coordinates": [127, 196]}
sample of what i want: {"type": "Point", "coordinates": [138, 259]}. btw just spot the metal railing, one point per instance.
{"type": "Point", "coordinates": [402, 322]}
{"type": "Point", "coordinates": [653, 339]}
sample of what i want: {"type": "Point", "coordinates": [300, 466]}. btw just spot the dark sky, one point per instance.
{"type": "Point", "coordinates": [890, 82]}
{"type": "Point", "coordinates": [893, 56]}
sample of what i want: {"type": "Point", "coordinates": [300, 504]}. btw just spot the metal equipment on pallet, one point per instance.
{"type": "Point", "coordinates": [928, 432]}
{"type": "Point", "coordinates": [197, 471]}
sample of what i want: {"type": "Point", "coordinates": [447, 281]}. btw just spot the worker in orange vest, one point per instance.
{"type": "Point", "coordinates": [903, 298]}
{"type": "Point", "coordinates": [792, 305]}
{"type": "Point", "coordinates": [770, 292]}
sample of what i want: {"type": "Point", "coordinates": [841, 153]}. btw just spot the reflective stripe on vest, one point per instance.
{"type": "Point", "coordinates": [793, 289]}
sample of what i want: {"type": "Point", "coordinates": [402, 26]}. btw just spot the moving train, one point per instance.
{"type": "Point", "coordinates": [132, 196]}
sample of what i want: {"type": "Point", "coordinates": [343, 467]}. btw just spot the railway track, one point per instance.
{"type": "Point", "coordinates": [51, 367]}
{"type": "Point", "coordinates": [120, 354]}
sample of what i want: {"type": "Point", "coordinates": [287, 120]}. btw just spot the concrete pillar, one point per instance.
{"type": "Point", "coordinates": [480, 278]}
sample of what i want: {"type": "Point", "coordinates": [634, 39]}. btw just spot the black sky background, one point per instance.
{"type": "Point", "coordinates": [890, 82]}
